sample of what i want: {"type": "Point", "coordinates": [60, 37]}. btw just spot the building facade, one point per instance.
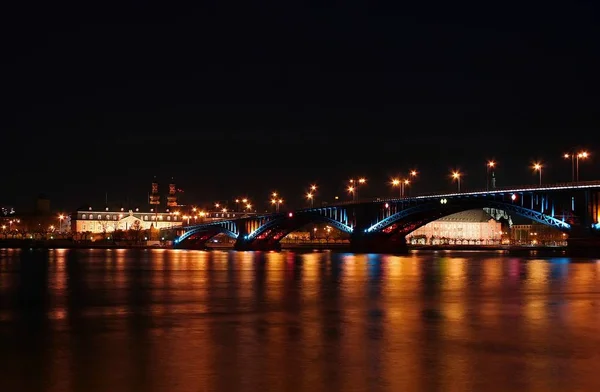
{"type": "Point", "coordinates": [472, 227]}
{"type": "Point", "coordinates": [107, 220]}
{"type": "Point", "coordinates": [537, 234]}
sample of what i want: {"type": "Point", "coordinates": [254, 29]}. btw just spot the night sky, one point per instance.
{"type": "Point", "coordinates": [235, 100]}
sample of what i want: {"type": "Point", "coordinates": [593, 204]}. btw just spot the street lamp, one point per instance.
{"type": "Point", "coordinates": [538, 167]}
{"type": "Point", "coordinates": [276, 202]}
{"type": "Point", "coordinates": [575, 157]}
{"type": "Point", "coordinates": [581, 155]}
{"type": "Point", "coordinates": [490, 166]}
{"type": "Point", "coordinates": [310, 197]}
{"type": "Point", "coordinates": [413, 174]}
{"type": "Point", "coordinates": [456, 176]}
{"type": "Point", "coordinates": [397, 182]}
{"type": "Point", "coordinates": [402, 184]}
{"type": "Point", "coordinates": [60, 219]}
{"type": "Point", "coordinates": [353, 188]}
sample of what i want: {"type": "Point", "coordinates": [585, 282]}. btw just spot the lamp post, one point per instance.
{"type": "Point", "coordinates": [311, 199]}
{"type": "Point", "coordinates": [353, 188]}
{"type": "Point", "coordinates": [403, 183]}
{"type": "Point", "coordinates": [490, 165]}
{"type": "Point", "coordinates": [456, 176]}
{"type": "Point", "coordinates": [581, 155]}
{"type": "Point", "coordinates": [575, 157]}
{"type": "Point", "coordinates": [413, 174]}
{"type": "Point", "coordinates": [276, 203]}
{"type": "Point", "coordinates": [313, 192]}
{"type": "Point", "coordinates": [60, 219]}
{"type": "Point", "coordinates": [397, 182]}
{"type": "Point", "coordinates": [538, 167]}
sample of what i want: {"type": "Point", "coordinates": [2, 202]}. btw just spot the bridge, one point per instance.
{"type": "Point", "coordinates": [381, 224]}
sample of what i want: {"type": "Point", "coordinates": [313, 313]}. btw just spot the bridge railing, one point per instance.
{"type": "Point", "coordinates": [474, 191]}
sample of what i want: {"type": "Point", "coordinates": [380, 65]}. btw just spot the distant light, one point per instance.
{"type": "Point", "coordinates": [290, 214]}
{"type": "Point", "coordinates": [513, 196]}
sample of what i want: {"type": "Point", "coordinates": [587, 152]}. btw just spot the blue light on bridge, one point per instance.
{"type": "Point", "coordinates": [596, 226]}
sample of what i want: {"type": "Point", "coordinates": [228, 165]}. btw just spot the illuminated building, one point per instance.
{"type": "Point", "coordinates": [472, 227]}
{"type": "Point", "coordinates": [537, 234]}
{"type": "Point", "coordinates": [106, 220]}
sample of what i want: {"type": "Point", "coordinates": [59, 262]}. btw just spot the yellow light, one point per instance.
{"type": "Point", "coordinates": [395, 182]}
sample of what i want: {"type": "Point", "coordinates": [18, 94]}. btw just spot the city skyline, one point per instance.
{"type": "Point", "coordinates": [243, 103]}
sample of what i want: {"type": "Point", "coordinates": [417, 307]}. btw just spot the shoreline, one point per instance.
{"type": "Point", "coordinates": [65, 244]}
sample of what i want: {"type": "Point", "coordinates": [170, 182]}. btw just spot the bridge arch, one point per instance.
{"type": "Point", "coordinates": [205, 233]}
{"type": "Point", "coordinates": [410, 219]}
{"type": "Point", "coordinates": [278, 228]}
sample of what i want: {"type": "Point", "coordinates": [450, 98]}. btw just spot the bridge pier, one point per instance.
{"type": "Point", "coordinates": [378, 243]}
{"type": "Point", "coordinates": [583, 246]}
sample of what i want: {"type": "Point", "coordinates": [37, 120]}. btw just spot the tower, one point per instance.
{"type": "Point", "coordinates": [154, 198]}
{"type": "Point", "coordinates": [172, 196]}
{"type": "Point", "coordinates": [493, 181]}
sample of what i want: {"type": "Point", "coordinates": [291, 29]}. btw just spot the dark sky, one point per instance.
{"type": "Point", "coordinates": [236, 100]}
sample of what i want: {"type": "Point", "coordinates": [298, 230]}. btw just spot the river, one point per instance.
{"type": "Point", "coordinates": [175, 320]}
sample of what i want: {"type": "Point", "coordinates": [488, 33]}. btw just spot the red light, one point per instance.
{"type": "Point", "coordinates": [291, 214]}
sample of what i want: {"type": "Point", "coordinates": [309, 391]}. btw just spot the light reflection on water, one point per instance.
{"type": "Point", "coordinates": [174, 320]}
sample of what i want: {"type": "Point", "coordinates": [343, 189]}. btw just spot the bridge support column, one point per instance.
{"type": "Point", "coordinates": [584, 246]}
{"type": "Point", "coordinates": [378, 243]}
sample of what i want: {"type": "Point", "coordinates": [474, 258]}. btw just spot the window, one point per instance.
{"type": "Point", "coordinates": [83, 216]}
{"type": "Point", "coordinates": [145, 217]}
{"type": "Point", "coordinates": [99, 217]}
{"type": "Point", "coordinates": [107, 217]}
{"type": "Point", "coordinates": [168, 217]}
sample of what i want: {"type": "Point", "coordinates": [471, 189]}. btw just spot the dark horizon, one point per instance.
{"type": "Point", "coordinates": [242, 102]}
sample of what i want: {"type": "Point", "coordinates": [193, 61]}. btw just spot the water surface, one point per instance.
{"type": "Point", "coordinates": [176, 320]}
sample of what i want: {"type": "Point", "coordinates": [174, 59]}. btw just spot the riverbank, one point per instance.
{"type": "Point", "coordinates": [68, 244]}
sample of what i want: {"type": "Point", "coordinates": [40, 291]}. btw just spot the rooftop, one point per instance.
{"type": "Point", "coordinates": [468, 216]}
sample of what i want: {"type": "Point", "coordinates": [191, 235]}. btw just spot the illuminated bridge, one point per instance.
{"type": "Point", "coordinates": [380, 225]}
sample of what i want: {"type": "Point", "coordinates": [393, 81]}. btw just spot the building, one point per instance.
{"type": "Point", "coordinates": [107, 219]}
{"type": "Point", "coordinates": [537, 234]}
{"type": "Point", "coordinates": [472, 227]}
